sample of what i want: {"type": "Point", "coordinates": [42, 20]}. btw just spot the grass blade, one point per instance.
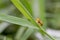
{"type": "Point", "coordinates": [19, 33]}
{"type": "Point", "coordinates": [27, 5]}
{"type": "Point", "coordinates": [28, 32]}
{"type": "Point", "coordinates": [16, 20]}
{"type": "Point", "coordinates": [42, 13]}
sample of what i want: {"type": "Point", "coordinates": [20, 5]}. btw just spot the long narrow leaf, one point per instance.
{"type": "Point", "coordinates": [27, 5]}
{"type": "Point", "coordinates": [19, 33]}
{"type": "Point", "coordinates": [42, 13]}
{"type": "Point", "coordinates": [27, 34]}
{"type": "Point", "coordinates": [16, 20]}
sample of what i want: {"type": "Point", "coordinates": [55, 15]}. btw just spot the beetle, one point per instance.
{"type": "Point", "coordinates": [39, 21]}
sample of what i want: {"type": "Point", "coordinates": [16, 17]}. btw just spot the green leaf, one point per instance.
{"type": "Point", "coordinates": [42, 13]}
{"type": "Point", "coordinates": [27, 5]}
{"type": "Point", "coordinates": [28, 32]}
{"type": "Point", "coordinates": [16, 20]}
{"type": "Point", "coordinates": [19, 33]}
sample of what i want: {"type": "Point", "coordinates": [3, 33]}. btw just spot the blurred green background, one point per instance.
{"type": "Point", "coordinates": [47, 10]}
